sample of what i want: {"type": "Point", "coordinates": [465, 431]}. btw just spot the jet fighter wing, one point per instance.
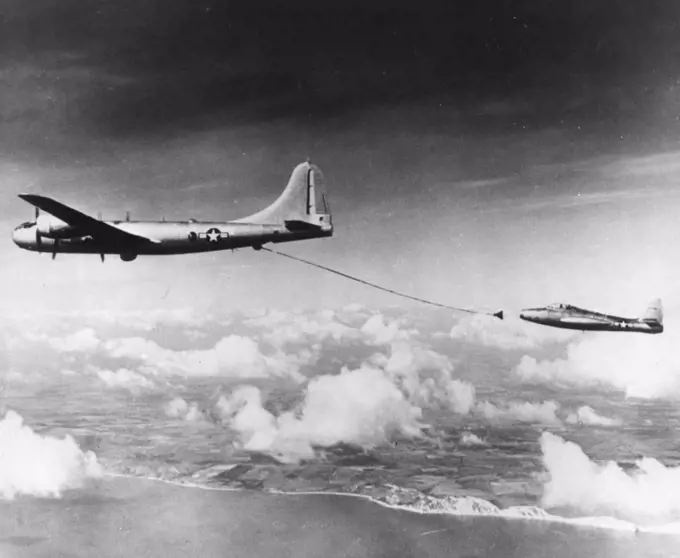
{"type": "Point", "coordinates": [583, 320]}
{"type": "Point", "coordinates": [75, 218]}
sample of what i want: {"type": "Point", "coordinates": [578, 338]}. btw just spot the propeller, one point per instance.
{"type": "Point", "coordinates": [38, 237]}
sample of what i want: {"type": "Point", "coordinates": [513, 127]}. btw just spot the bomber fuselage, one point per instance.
{"type": "Point", "coordinates": [176, 237]}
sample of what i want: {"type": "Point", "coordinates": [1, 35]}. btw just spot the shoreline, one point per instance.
{"type": "Point", "coordinates": [115, 516]}
{"type": "Point", "coordinates": [607, 523]}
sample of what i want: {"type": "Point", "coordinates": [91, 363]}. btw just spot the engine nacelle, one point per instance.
{"type": "Point", "coordinates": [51, 227]}
{"type": "Point", "coordinates": [128, 257]}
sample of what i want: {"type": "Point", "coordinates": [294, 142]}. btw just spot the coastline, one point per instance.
{"type": "Point", "coordinates": [522, 513]}
{"type": "Point", "coordinates": [117, 516]}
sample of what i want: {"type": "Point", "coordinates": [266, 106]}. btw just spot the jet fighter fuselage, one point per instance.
{"type": "Point", "coordinates": [567, 316]}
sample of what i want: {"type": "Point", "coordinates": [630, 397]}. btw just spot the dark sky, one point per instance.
{"type": "Point", "coordinates": [465, 144]}
{"type": "Point", "coordinates": [125, 68]}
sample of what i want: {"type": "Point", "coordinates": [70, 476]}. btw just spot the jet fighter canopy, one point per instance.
{"type": "Point", "coordinates": [559, 306]}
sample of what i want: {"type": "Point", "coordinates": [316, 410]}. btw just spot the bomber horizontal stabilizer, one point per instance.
{"type": "Point", "coordinates": [299, 225]}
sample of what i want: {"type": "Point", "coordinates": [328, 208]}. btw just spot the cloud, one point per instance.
{"type": "Point", "coordinates": [651, 491]}
{"type": "Point", "coordinates": [469, 439]}
{"type": "Point", "coordinates": [657, 165]}
{"type": "Point", "coordinates": [82, 341]}
{"type": "Point", "coordinates": [425, 376]}
{"type": "Point", "coordinates": [283, 328]}
{"type": "Point", "coordinates": [179, 408]}
{"type": "Point", "coordinates": [360, 406]}
{"type": "Point", "coordinates": [511, 333]}
{"type": "Point", "coordinates": [542, 413]}
{"type": "Point", "coordinates": [368, 406]}
{"type": "Point", "coordinates": [124, 378]}
{"type": "Point", "coordinates": [40, 465]}
{"type": "Point", "coordinates": [587, 415]}
{"type": "Point", "coordinates": [259, 429]}
{"type": "Point", "coordinates": [233, 356]}
{"type": "Point", "coordinates": [378, 332]}
{"type": "Point", "coordinates": [639, 365]}
{"type": "Point", "coordinates": [148, 320]}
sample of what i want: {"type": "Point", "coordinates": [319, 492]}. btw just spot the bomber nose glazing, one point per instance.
{"type": "Point", "coordinates": [22, 236]}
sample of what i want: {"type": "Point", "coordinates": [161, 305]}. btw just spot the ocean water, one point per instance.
{"type": "Point", "coordinates": [136, 517]}
{"type": "Point", "coordinates": [320, 433]}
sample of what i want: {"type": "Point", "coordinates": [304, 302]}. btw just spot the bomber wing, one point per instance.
{"type": "Point", "coordinates": [94, 227]}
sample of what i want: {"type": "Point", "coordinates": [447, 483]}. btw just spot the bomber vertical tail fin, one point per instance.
{"type": "Point", "coordinates": [654, 312]}
{"type": "Point", "coordinates": [302, 205]}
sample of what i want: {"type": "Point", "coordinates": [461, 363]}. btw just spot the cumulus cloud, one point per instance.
{"type": "Point", "coordinates": [511, 333]}
{"type": "Point", "coordinates": [382, 399]}
{"type": "Point", "coordinates": [587, 415]}
{"type": "Point", "coordinates": [379, 332]}
{"type": "Point", "coordinates": [639, 365]}
{"type": "Point", "coordinates": [650, 492]}
{"type": "Point", "coordinates": [233, 356]}
{"type": "Point", "coordinates": [40, 465]}
{"type": "Point", "coordinates": [542, 413]}
{"type": "Point", "coordinates": [179, 408]}
{"type": "Point", "coordinates": [425, 376]}
{"type": "Point", "coordinates": [82, 341]}
{"type": "Point", "coordinates": [284, 328]}
{"type": "Point", "coordinates": [124, 378]}
{"type": "Point", "coordinates": [360, 406]}
{"type": "Point", "coordinates": [470, 439]}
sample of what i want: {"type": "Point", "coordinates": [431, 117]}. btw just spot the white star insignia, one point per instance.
{"type": "Point", "coordinates": [213, 236]}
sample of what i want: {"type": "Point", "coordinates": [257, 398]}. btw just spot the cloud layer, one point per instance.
{"type": "Point", "coordinates": [356, 406]}
{"type": "Point", "coordinates": [650, 492]}
{"type": "Point", "coordinates": [40, 465]}
{"type": "Point", "coordinates": [639, 365]}
{"type": "Point", "coordinates": [510, 334]}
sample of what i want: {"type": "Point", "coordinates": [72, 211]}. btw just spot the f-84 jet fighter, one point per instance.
{"type": "Point", "coordinates": [570, 317]}
{"type": "Point", "coordinates": [61, 229]}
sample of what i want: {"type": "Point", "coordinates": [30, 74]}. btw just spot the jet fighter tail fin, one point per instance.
{"type": "Point", "coordinates": [302, 205]}
{"type": "Point", "coordinates": [654, 312]}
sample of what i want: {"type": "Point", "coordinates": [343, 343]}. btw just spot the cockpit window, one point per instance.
{"type": "Point", "coordinates": [558, 306]}
{"type": "Point", "coordinates": [26, 225]}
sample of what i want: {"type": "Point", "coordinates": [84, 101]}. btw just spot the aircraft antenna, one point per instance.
{"type": "Point", "coordinates": [498, 314]}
